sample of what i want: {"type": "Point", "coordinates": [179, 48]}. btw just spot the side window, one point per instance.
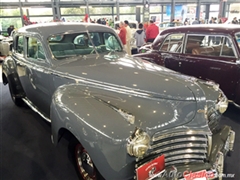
{"type": "Point", "coordinates": [173, 43]}
{"type": "Point", "coordinates": [95, 39]}
{"type": "Point", "coordinates": [237, 36]}
{"type": "Point", "coordinates": [208, 45]}
{"type": "Point", "coordinates": [35, 49]}
{"type": "Point", "coordinates": [227, 47]}
{"type": "Point", "coordinates": [20, 45]}
{"type": "Point", "coordinates": [82, 40]}
{"type": "Point", "coordinates": [193, 42]}
{"type": "Point", "coordinates": [111, 42]}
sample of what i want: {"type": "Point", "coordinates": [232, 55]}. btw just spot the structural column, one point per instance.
{"type": "Point", "coordinates": [56, 9]}
{"type": "Point", "coordinates": [222, 8]}
{"type": "Point", "coordinates": [21, 12]}
{"type": "Point", "coordinates": [118, 14]}
{"type": "Point", "coordinates": [146, 11]}
{"type": "Point", "coordinates": [198, 9]}
{"type": "Point", "coordinates": [207, 11]}
{"type": "Point", "coordinates": [172, 10]}
{"type": "Point", "coordinates": [227, 6]}
{"type": "Point", "coordinates": [138, 14]}
{"type": "Point", "coordinates": [162, 13]}
{"type": "Point", "coordinates": [87, 8]}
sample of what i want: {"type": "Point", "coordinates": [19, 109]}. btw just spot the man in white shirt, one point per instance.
{"type": "Point", "coordinates": [128, 38]}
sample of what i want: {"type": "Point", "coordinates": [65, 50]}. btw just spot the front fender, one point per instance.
{"type": "Point", "coordinates": [100, 129]}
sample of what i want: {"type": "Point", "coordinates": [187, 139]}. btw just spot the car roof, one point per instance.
{"type": "Point", "coordinates": [203, 28]}
{"type": "Point", "coordinates": [47, 29]}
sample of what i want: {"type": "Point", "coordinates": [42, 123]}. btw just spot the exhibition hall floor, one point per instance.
{"type": "Point", "coordinates": [26, 151]}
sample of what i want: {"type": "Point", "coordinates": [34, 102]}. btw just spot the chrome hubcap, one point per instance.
{"type": "Point", "coordinates": [85, 164]}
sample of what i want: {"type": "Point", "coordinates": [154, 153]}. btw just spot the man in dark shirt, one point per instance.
{"type": "Point", "coordinates": [234, 21]}
{"type": "Point", "coordinates": [10, 29]}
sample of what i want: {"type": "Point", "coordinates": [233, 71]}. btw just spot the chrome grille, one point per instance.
{"type": "Point", "coordinates": [180, 147]}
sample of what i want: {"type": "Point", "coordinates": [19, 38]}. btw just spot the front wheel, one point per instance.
{"type": "Point", "coordinates": [84, 165]}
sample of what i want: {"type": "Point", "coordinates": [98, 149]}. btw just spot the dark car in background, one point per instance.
{"type": "Point", "coordinates": [124, 117]}
{"type": "Point", "coordinates": [209, 52]}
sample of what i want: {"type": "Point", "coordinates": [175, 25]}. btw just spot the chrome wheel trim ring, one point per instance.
{"type": "Point", "coordinates": [81, 153]}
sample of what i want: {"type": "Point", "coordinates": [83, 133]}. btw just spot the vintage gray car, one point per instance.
{"type": "Point", "coordinates": [125, 117]}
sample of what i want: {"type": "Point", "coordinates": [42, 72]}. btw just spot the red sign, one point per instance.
{"type": "Point", "coordinates": [199, 175]}
{"type": "Point", "coordinates": [148, 170]}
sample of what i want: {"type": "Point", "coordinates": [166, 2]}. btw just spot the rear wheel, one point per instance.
{"type": "Point", "coordinates": [17, 101]}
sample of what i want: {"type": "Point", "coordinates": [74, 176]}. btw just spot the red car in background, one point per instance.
{"type": "Point", "coordinates": [209, 52]}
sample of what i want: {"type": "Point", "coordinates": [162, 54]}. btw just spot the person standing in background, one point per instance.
{"type": "Point", "coordinates": [219, 21]}
{"type": "Point", "coordinates": [211, 20]}
{"type": "Point", "coordinates": [196, 21]}
{"type": "Point", "coordinates": [151, 32]}
{"type": "Point", "coordinates": [234, 21]}
{"type": "Point", "coordinates": [140, 36]}
{"type": "Point", "coordinates": [122, 34]}
{"type": "Point", "coordinates": [10, 29]}
{"type": "Point", "coordinates": [129, 36]}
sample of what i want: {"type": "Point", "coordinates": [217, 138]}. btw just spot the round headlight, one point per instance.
{"type": "Point", "coordinates": [222, 104]}
{"type": "Point", "coordinates": [138, 143]}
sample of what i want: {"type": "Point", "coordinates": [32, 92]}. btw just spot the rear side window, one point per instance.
{"type": "Point", "coordinates": [209, 45]}
{"type": "Point", "coordinates": [19, 45]}
{"type": "Point", "coordinates": [35, 49]}
{"type": "Point", "coordinates": [173, 43]}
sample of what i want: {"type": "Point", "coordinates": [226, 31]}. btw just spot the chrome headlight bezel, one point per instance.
{"type": "Point", "coordinates": [138, 143]}
{"type": "Point", "coordinates": [222, 103]}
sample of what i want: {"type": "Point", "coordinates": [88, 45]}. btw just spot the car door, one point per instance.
{"type": "Point", "coordinates": [170, 50]}
{"type": "Point", "coordinates": [211, 58]}
{"type": "Point", "coordinates": [32, 67]}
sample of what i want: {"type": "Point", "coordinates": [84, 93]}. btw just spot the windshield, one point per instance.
{"type": "Point", "coordinates": [237, 36]}
{"type": "Point", "coordinates": [66, 45]}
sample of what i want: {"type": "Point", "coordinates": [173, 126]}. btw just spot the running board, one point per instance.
{"type": "Point", "coordinates": [34, 108]}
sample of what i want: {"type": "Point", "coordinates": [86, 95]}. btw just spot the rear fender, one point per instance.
{"type": "Point", "coordinates": [10, 76]}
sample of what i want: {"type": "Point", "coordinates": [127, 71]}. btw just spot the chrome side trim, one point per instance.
{"type": "Point", "coordinates": [34, 108]}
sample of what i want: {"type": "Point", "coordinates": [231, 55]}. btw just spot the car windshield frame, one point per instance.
{"type": "Point", "coordinates": [66, 45]}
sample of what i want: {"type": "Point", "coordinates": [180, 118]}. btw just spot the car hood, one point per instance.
{"type": "Point", "coordinates": [117, 79]}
